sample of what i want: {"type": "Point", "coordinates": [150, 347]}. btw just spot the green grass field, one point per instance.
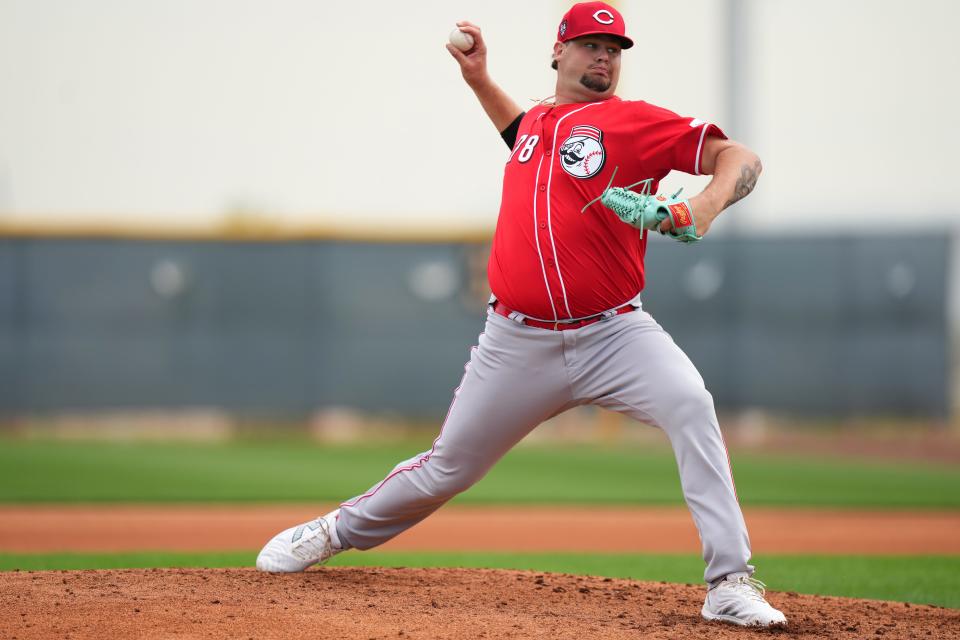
{"type": "Point", "coordinates": [56, 471]}
{"type": "Point", "coordinates": [295, 470]}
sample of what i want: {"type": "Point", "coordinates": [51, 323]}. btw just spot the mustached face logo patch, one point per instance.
{"type": "Point", "coordinates": [582, 154]}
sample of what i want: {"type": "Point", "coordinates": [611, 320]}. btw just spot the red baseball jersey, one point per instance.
{"type": "Point", "coordinates": [549, 260]}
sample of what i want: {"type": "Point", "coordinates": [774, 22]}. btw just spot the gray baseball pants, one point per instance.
{"type": "Point", "coordinates": [517, 377]}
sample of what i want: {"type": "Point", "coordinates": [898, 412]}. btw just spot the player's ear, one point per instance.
{"type": "Point", "coordinates": [557, 52]}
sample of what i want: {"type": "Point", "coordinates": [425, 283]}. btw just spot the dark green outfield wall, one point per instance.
{"type": "Point", "coordinates": [819, 326]}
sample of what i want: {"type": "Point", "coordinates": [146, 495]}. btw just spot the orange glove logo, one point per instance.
{"type": "Point", "coordinates": [681, 215]}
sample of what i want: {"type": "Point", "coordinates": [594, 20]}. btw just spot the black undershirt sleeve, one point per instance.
{"type": "Point", "coordinates": [509, 134]}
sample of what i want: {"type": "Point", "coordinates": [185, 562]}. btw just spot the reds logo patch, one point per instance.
{"type": "Point", "coordinates": [603, 17]}
{"type": "Point", "coordinates": [582, 154]}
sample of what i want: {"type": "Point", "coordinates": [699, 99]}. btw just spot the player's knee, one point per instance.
{"type": "Point", "coordinates": [448, 478]}
{"type": "Point", "coordinates": [460, 483]}
{"type": "Point", "coordinates": [465, 477]}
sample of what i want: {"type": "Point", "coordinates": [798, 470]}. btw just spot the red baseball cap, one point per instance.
{"type": "Point", "coordinates": [591, 18]}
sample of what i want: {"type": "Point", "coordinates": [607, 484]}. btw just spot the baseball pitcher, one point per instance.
{"type": "Point", "coordinates": [565, 325]}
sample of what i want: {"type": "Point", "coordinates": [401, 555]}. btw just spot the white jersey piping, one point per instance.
{"type": "Point", "coordinates": [549, 226]}
{"type": "Point", "coordinates": [703, 134]}
{"type": "Point", "coordinates": [536, 238]}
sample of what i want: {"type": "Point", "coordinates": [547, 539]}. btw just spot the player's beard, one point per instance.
{"type": "Point", "coordinates": [595, 82]}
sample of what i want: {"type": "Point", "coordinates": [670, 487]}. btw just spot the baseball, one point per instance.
{"type": "Point", "coordinates": [461, 40]}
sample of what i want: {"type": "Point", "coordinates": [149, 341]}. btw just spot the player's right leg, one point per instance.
{"type": "Point", "coordinates": [514, 380]}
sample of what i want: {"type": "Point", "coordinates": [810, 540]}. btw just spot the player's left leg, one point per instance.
{"type": "Point", "coordinates": [631, 365]}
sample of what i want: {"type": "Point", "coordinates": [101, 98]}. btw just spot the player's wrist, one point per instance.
{"type": "Point", "coordinates": [481, 83]}
{"type": "Point", "coordinates": [705, 207]}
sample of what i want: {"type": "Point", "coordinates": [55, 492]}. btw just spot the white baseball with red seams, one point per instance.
{"type": "Point", "coordinates": [461, 39]}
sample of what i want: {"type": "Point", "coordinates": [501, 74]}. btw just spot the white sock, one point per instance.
{"type": "Point", "coordinates": [334, 534]}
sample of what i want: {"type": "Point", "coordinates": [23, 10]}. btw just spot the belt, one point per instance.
{"type": "Point", "coordinates": [562, 325]}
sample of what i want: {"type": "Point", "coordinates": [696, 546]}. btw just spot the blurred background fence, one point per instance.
{"type": "Point", "coordinates": [189, 193]}
{"type": "Point", "coordinates": [854, 325]}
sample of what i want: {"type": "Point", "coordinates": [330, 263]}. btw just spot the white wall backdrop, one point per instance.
{"type": "Point", "coordinates": [312, 114]}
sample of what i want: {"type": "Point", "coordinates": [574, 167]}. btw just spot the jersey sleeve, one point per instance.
{"type": "Point", "coordinates": [674, 142]}
{"type": "Point", "coordinates": [509, 134]}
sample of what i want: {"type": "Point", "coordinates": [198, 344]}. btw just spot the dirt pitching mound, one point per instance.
{"type": "Point", "coordinates": [347, 602]}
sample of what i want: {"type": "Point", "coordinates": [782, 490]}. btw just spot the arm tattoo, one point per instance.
{"type": "Point", "coordinates": [745, 183]}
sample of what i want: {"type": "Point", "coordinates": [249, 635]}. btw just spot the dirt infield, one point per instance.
{"type": "Point", "coordinates": [344, 602]}
{"type": "Point", "coordinates": [407, 604]}
{"type": "Point", "coordinates": [37, 528]}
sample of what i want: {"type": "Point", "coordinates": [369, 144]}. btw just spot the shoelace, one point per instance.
{"type": "Point", "coordinates": [624, 201]}
{"type": "Point", "coordinates": [607, 190]}
{"type": "Point", "coordinates": [752, 588]}
{"type": "Point", "coordinates": [319, 543]}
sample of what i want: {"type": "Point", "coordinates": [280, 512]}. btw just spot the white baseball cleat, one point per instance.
{"type": "Point", "coordinates": [299, 547]}
{"type": "Point", "coordinates": [739, 599]}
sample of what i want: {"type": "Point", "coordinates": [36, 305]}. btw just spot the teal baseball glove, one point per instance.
{"type": "Point", "coordinates": [644, 210]}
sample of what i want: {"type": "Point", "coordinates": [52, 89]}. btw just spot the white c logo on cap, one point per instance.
{"type": "Point", "coordinates": [598, 18]}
